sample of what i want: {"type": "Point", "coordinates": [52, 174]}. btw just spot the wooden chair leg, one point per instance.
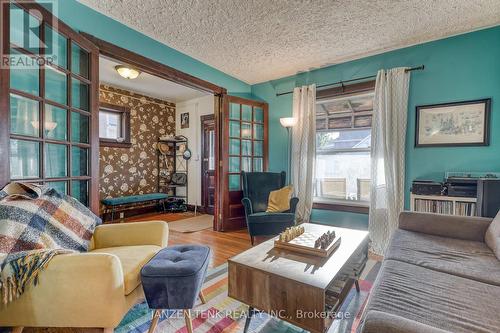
{"type": "Point", "coordinates": [202, 298]}
{"type": "Point", "coordinates": [187, 318]}
{"type": "Point", "coordinates": [17, 329]}
{"type": "Point", "coordinates": [154, 322]}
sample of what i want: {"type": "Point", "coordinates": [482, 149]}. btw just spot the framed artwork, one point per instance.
{"type": "Point", "coordinates": [453, 124]}
{"type": "Point", "coordinates": [185, 120]}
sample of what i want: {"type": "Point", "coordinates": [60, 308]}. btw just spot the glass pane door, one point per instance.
{"type": "Point", "coordinates": [246, 142]}
{"type": "Point", "coordinates": [50, 100]}
{"type": "Point", "coordinates": [245, 129]}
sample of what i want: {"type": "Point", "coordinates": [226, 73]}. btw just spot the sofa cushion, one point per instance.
{"type": "Point", "coordinates": [132, 258]}
{"type": "Point", "coordinates": [492, 236]}
{"type": "Point", "coordinates": [469, 259]}
{"type": "Point", "coordinates": [436, 299]}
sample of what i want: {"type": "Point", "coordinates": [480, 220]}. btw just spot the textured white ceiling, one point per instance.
{"type": "Point", "coordinates": [261, 40]}
{"type": "Point", "coordinates": [146, 84]}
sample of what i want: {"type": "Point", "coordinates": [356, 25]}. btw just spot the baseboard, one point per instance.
{"type": "Point", "coordinates": [199, 209]}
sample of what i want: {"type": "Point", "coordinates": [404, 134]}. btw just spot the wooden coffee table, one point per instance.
{"type": "Point", "coordinates": [301, 289]}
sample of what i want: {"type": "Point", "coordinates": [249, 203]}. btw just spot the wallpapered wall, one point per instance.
{"type": "Point", "coordinates": [134, 170]}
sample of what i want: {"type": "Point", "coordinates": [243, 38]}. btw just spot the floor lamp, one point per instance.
{"type": "Point", "coordinates": [288, 123]}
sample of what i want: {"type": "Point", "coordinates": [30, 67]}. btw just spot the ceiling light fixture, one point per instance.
{"type": "Point", "coordinates": [127, 72]}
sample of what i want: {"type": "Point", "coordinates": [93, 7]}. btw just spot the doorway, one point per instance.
{"type": "Point", "coordinates": [244, 138]}
{"type": "Point", "coordinates": [216, 105]}
{"type": "Point", "coordinates": [143, 118]}
{"type": "Point", "coordinates": [208, 145]}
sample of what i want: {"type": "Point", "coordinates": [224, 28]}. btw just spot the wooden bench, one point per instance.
{"type": "Point", "coordinates": [131, 199]}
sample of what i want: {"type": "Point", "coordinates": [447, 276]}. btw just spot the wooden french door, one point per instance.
{"type": "Point", "coordinates": [48, 103]}
{"type": "Point", "coordinates": [244, 147]}
{"type": "Point", "coordinates": [208, 163]}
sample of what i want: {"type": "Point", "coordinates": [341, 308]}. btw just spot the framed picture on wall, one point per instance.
{"type": "Point", "coordinates": [185, 120]}
{"type": "Point", "coordinates": [453, 124]}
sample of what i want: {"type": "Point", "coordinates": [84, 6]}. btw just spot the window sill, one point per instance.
{"type": "Point", "coordinates": [342, 206]}
{"type": "Point", "coordinates": [114, 144]}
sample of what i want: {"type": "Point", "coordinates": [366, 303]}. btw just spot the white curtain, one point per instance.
{"type": "Point", "coordinates": [304, 149]}
{"type": "Point", "coordinates": [388, 155]}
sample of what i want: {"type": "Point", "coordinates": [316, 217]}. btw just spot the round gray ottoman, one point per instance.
{"type": "Point", "coordinates": [172, 279]}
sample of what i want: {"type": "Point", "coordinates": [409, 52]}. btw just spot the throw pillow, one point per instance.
{"type": "Point", "coordinates": [492, 236]}
{"type": "Point", "coordinates": [279, 200]}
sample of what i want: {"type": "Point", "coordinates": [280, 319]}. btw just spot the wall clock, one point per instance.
{"type": "Point", "coordinates": [186, 154]}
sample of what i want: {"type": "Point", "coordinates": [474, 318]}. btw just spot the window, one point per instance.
{"type": "Point", "coordinates": [343, 142]}
{"type": "Point", "coordinates": [110, 125]}
{"type": "Point", "coordinates": [114, 125]}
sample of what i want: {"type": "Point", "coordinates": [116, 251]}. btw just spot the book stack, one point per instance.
{"type": "Point", "coordinates": [434, 206]}
{"type": "Point", "coordinates": [465, 208]}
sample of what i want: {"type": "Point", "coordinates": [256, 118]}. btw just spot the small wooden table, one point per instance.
{"type": "Point", "coordinates": [301, 289]}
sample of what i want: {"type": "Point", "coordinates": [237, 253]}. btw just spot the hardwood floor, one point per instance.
{"type": "Point", "coordinates": [224, 245]}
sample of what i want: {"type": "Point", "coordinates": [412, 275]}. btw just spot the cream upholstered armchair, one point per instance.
{"type": "Point", "coordinates": [93, 289]}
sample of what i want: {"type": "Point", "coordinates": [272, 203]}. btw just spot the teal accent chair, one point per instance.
{"type": "Point", "coordinates": [256, 189]}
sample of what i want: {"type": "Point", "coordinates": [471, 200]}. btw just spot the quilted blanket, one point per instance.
{"type": "Point", "coordinates": [37, 223]}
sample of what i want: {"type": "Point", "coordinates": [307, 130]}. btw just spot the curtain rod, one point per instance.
{"type": "Point", "coordinates": [418, 68]}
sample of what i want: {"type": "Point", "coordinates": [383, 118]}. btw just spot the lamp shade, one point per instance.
{"type": "Point", "coordinates": [288, 122]}
{"type": "Point", "coordinates": [127, 72]}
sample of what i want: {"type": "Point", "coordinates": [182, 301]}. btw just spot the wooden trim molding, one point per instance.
{"type": "Point", "coordinates": [341, 207]}
{"type": "Point", "coordinates": [161, 70]}
{"type": "Point", "coordinates": [346, 89]}
{"type": "Point", "coordinates": [4, 97]}
{"type": "Point", "coordinates": [152, 67]}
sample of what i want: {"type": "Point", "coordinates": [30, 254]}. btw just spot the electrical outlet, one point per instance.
{"type": "Point", "coordinates": [122, 215]}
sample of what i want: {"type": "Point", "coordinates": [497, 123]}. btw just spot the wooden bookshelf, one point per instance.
{"type": "Point", "coordinates": [442, 204]}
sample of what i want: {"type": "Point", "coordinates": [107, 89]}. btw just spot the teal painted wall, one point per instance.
{"type": "Point", "coordinates": [83, 18]}
{"type": "Point", "coordinates": [340, 219]}
{"type": "Point", "coordinates": [463, 67]}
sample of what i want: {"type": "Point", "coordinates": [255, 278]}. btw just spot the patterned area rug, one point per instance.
{"type": "Point", "coordinates": [224, 314]}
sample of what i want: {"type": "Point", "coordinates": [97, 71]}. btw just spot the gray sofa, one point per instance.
{"type": "Point", "coordinates": [437, 276]}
